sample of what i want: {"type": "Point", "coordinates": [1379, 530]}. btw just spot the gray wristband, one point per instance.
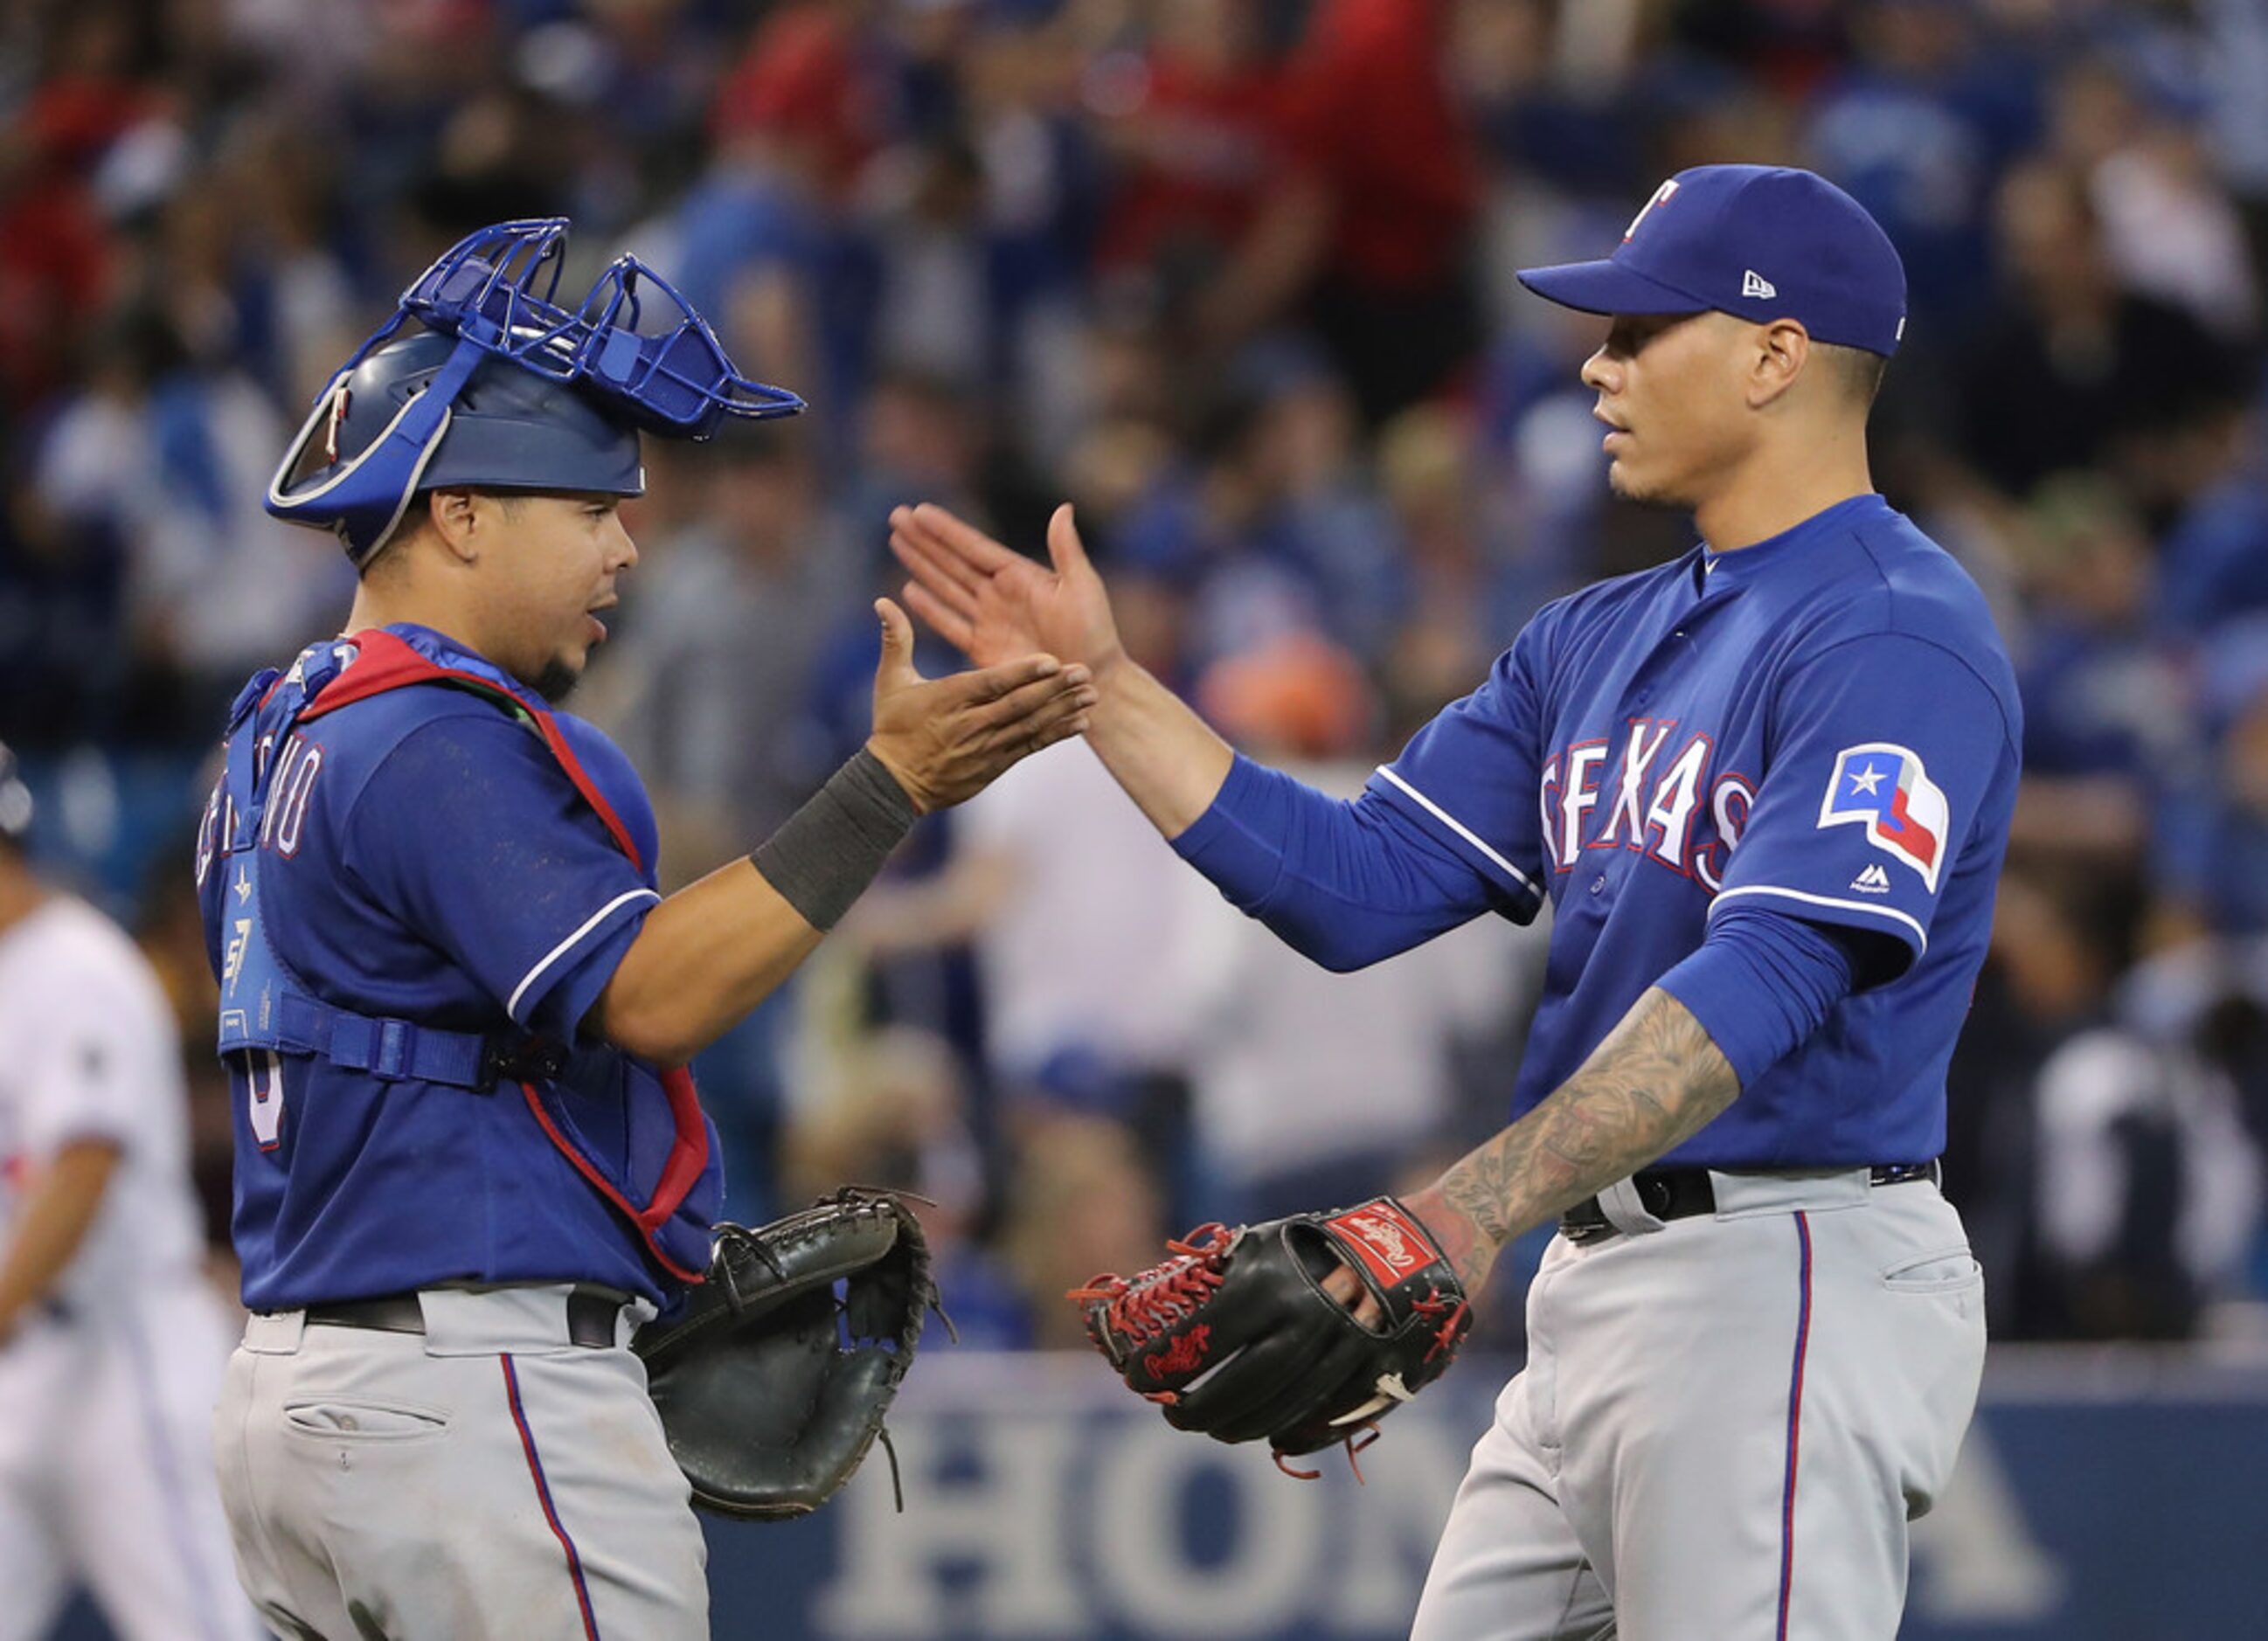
{"type": "Point", "coordinates": [826, 853]}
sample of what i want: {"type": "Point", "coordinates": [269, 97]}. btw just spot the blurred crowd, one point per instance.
{"type": "Point", "coordinates": [1234, 276]}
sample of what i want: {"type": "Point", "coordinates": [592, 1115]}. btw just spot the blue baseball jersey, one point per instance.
{"type": "Point", "coordinates": [423, 858]}
{"type": "Point", "coordinates": [1824, 723]}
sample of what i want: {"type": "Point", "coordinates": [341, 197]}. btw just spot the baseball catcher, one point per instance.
{"type": "Point", "coordinates": [1306, 1331]}
{"type": "Point", "coordinates": [457, 1013]}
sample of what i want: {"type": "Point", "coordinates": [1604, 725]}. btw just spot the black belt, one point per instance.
{"type": "Point", "coordinates": [1680, 1193]}
{"type": "Point", "coordinates": [591, 1314]}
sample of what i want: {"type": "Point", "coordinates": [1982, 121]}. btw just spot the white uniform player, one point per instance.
{"type": "Point", "coordinates": [111, 1344]}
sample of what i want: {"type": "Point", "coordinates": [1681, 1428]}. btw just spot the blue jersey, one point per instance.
{"type": "Point", "coordinates": [1825, 725]}
{"type": "Point", "coordinates": [410, 926]}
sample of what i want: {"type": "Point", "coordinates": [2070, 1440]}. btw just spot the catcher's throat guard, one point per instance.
{"type": "Point", "coordinates": [773, 1380]}
{"type": "Point", "coordinates": [579, 384]}
{"type": "Point", "coordinates": [1236, 1335]}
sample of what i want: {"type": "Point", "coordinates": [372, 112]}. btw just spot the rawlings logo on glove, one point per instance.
{"type": "Point", "coordinates": [1237, 1336]}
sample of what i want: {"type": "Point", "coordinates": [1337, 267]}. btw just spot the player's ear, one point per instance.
{"type": "Point", "coordinates": [1780, 352]}
{"type": "Point", "coordinates": [457, 519]}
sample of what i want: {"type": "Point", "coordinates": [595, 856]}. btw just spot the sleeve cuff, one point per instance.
{"type": "Point", "coordinates": [1829, 908]}
{"type": "Point", "coordinates": [1222, 844]}
{"type": "Point", "coordinates": [571, 955]}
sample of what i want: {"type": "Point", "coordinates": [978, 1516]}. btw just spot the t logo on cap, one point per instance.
{"type": "Point", "coordinates": [1834, 270]}
{"type": "Point", "coordinates": [1660, 197]}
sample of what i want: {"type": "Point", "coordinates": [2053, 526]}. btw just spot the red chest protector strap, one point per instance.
{"type": "Point", "coordinates": [386, 662]}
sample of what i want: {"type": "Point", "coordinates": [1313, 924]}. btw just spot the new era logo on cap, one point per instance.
{"type": "Point", "coordinates": [1698, 243]}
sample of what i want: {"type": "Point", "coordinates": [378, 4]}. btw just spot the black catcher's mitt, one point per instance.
{"type": "Point", "coordinates": [773, 1381]}
{"type": "Point", "coordinates": [1237, 1338]}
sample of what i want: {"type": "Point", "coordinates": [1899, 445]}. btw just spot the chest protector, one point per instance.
{"type": "Point", "coordinates": [268, 1012]}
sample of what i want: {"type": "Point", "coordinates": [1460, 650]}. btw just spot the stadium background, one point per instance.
{"type": "Point", "coordinates": [1234, 276]}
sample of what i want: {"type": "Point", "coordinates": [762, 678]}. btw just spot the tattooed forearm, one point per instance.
{"type": "Point", "coordinates": [1654, 1082]}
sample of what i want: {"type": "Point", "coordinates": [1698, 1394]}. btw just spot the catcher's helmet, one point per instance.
{"type": "Point", "coordinates": [15, 800]}
{"type": "Point", "coordinates": [507, 390]}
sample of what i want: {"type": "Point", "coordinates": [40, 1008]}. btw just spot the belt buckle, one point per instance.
{"type": "Point", "coordinates": [1904, 1173]}
{"type": "Point", "coordinates": [1585, 1222]}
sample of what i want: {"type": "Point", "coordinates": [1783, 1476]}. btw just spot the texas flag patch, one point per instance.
{"type": "Point", "coordinates": [1905, 812]}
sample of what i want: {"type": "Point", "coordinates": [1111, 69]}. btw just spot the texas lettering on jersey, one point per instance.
{"type": "Point", "coordinates": [1654, 792]}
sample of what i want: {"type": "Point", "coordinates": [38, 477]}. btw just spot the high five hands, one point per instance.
{"type": "Point", "coordinates": [994, 605]}
{"type": "Point", "coordinates": [946, 739]}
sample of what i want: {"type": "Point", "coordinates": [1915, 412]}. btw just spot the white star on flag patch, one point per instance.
{"type": "Point", "coordinates": [1884, 788]}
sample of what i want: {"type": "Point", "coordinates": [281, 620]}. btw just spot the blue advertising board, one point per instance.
{"type": "Point", "coordinates": [2103, 1495]}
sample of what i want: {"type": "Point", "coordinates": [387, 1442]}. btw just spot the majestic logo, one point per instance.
{"type": "Point", "coordinates": [1884, 788]}
{"type": "Point", "coordinates": [1873, 880]}
{"type": "Point", "coordinates": [1754, 285]}
{"type": "Point", "coordinates": [1660, 197]}
{"type": "Point", "coordinates": [1185, 1353]}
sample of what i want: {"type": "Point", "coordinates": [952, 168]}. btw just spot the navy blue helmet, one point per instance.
{"type": "Point", "coordinates": [506, 389]}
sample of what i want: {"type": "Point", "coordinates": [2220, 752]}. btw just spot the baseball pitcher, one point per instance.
{"type": "Point", "coordinates": [1766, 788]}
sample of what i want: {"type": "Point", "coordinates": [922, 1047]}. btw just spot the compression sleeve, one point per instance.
{"type": "Point", "coordinates": [1343, 882]}
{"type": "Point", "coordinates": [1763, 982]}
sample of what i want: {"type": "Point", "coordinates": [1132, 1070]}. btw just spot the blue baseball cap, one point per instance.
{"type": "Point", "coordinates": [1759, 242]}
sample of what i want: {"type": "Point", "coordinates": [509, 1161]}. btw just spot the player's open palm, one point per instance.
{"type": "Point", "coordinates": [994, 605]}
{"type": "Point", "coordinates": [946, 739]}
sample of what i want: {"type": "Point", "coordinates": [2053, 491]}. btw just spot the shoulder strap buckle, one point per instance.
{"type": "Point", "coordinates": [522, 1059]}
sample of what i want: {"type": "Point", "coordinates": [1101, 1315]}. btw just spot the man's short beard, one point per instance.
{"type": "Point", "coordinates": [556, 681]}
{"type": "Point", "coordinates": [1660, 501]}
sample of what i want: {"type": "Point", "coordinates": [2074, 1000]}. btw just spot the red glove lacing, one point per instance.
{"type": "Point", "coordinates": [1137, 1309]}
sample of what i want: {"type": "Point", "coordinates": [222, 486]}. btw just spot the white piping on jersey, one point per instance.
{"type": "Point", "coordinates": [1920, 933]}
{"type": "Point", "coordinates": [568, 945]}
{"type": "Point", "coordinates": [1460, 830]}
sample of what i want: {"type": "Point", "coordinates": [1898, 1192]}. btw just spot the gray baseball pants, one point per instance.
{"type": "Point", "coordinates": [1725, 1424]}
{"type": "Point", "coordinates": [488, 1479]}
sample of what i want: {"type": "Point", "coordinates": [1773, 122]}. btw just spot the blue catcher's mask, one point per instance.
{"type": "Point", "coordinates": [507, 390]}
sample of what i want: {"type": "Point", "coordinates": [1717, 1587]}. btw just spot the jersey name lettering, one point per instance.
{"type": "Point", "coordinates": [288, 793]}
